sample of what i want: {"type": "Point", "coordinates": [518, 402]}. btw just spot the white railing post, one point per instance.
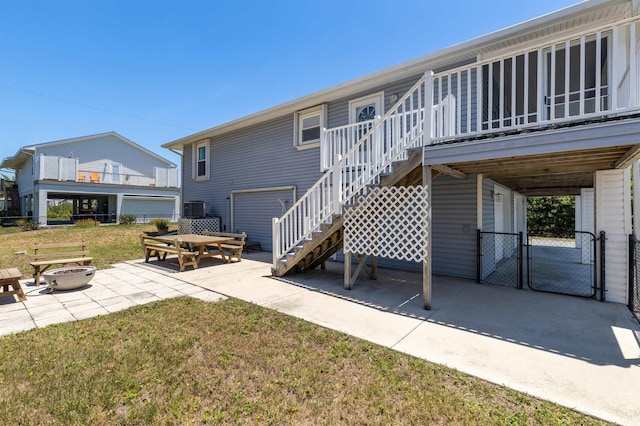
{"type": "Point", "coordinates": [614, 69]}
{"type": "Point", "coordinates": [324, 150]}
{"type": "Point", "coordinates": [633, 66]}
{"type": "Point", "coordinates": [337, 185]}
{"type": "Point", "coordinates": [275, 241]}
{"type": "Point", "coordinates": [377, 138]}
{"type": "Point", "coordinates": [428, 108]}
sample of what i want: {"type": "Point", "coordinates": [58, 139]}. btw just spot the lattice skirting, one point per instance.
{"type": "Point", "coordinates": [198, 226]}
{"type": "Point", "coordinates": [389, 222]}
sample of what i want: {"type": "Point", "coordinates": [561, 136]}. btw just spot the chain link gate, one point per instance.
{"type": "Point", "coordinates": [500, 259]}
{"type": "Point", "coordinates": [634, 276]}
{"type": "Point", "coordinates": [562, 263]}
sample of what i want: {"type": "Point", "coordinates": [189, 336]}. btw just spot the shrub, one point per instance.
{"type": "Point", "coordinates": [160, 223]}
{"type": "Point", "coordinates": [127, 219]}
{"type": "Point", "coordinates": [86, 223]}
{"type": "Point", "coordinates": [30, 225]}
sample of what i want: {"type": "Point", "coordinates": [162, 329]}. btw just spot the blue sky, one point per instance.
{"type": "Point", "coordinates": [158, 70]}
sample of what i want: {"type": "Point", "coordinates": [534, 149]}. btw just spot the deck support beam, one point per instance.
{"type": "Point", "coordinates": [349, 279]}
{"type": "Point", "coordinates": [446, 170]}
{"type": "Point", "coordinates": [426, 264]}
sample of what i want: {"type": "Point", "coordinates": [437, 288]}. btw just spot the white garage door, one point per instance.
{"type": "Point", "coordinates": [148, 208]}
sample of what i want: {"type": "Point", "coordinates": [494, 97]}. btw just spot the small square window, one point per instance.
{"type": "Point", "coordinates": [308, 127]}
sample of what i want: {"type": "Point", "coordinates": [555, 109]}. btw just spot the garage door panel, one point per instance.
{"type": "Point", "coordinates": [146, 209]}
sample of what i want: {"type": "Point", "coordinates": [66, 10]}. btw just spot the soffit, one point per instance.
{"type": "Point", "coordinates": [558, 174]}
{"type": "Point", "coordinates": [545, 161]}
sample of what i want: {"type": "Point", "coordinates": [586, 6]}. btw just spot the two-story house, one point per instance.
{"type": "Point", "coordinates": [550, 106]}
{"type": "Point", "coordinates": [102, 175]}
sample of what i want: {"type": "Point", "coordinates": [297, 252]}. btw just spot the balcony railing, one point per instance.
{"type": "Point", "coordinates": [68, 169]}
{"type": "Point", "coordinates": [578, 77]}
{"type": "Point", "coordinates": [583, 76]}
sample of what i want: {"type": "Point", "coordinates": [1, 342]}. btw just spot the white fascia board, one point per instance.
{"type": "Point", "coordinates": [22, 155]}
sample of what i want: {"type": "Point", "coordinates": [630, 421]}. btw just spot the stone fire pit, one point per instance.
{"type": "Point", "coordinates": [69, 278]}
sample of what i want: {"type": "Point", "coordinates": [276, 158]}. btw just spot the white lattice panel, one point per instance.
{"type": "Point", "coordinates": [389, 222]}
{"type": "Point", "coordinates": [198, 226]}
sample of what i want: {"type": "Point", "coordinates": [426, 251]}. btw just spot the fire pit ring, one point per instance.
{"type": "Point", "coordinates": [69, 278]}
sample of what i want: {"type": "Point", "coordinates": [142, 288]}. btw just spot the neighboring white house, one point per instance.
{"type": "Point", "coordinates": [104, 176]}
{"type": "Point", "coordinates": [550, 106]}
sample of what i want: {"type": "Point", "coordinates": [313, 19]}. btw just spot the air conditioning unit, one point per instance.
{"type": "Point", "coordinates": [196, 209]}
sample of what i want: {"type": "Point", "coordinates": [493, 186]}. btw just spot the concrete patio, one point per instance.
{"type": "Point", "coordinates": [577, 352]}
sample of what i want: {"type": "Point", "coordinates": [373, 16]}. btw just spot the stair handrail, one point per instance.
{"type": "Point", "coordinates": [354, 170]}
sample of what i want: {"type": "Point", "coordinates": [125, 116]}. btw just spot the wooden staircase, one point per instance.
{"type": "Point", "coordinates": [329, 239]}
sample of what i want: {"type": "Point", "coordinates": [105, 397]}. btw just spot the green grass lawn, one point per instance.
{"type": "Point", "coordinates": [184, 361]}
{"type": "Point", "coordinates": [107, 244]}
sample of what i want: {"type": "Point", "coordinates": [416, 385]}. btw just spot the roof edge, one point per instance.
{"type": "Point", "coordinates": [403, 70]}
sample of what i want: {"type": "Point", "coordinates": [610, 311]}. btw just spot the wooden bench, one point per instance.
{"type": "Point", "coordinates": [47, 255]}
{"type": "Point", "coordinates": [234, 246]}
{"type": "Point", "coordinates": [161, 247]}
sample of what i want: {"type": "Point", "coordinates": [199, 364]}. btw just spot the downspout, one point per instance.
{"type": "Point", "coordinates": [179, 154]}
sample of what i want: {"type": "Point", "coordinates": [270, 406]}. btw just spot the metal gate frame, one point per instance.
{"type": "Point", "coordinates": [519, 259]}
{"type": "Point", "coordinates": [594, 260]}
{"type": "Point", "coordinates": [597, 264]}
{"type": "Point", "coordinates": [634, 276]}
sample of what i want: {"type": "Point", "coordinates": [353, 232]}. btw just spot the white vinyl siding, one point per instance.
{"type": "Point", "coordinates": [613, 215]}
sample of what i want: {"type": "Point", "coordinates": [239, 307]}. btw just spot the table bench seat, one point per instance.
{"type": "Point", "coordinates": [160, 248]}
{"type": "Point", "coordinates": [233, 246]}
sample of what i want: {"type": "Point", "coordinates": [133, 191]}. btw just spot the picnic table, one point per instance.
{"type": "Point", "coordinates": [200, 242]}
{"type": "Point", "coordinates": [11, 278]}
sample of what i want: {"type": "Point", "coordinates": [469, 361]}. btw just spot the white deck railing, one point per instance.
{"type": "Point", "coordinates": [541, 85]}
{"type": "Point", "coordinates": [387, 140]}
{"type": "Point", "coordinates": [339, 140]}
{"type": "Point", "coordinates": [51, 167]}
{"type": "Point", "coordinates": [578, 77]}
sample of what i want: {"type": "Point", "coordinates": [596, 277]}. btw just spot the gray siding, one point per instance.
{"type": "Point", "coordinates": [338, 110]}
{"type": "Point", "coordinates": [454, 227]}
{"type": "Point", "coordinates": [253, 213]}
{"type": "Point", "coordinates": [263, 156]}
{"type": "Point", "coordinates": [253, 158]}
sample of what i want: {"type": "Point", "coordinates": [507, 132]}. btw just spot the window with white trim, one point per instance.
{"type": "Point", "coordinates": [308, 126]}
{"type": "Point", "coordinates": [366, 108]}
{"type": "Point", "coordinates": [201, 160]}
